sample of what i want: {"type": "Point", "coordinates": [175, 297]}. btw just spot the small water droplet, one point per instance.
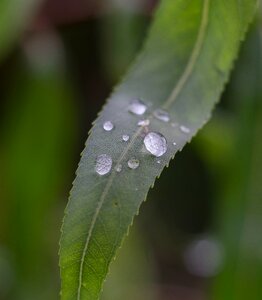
{"type": "Point", "coordinates": [174, 124]}
{"type": "Point", "coordinates": [103, 164]}
{"type": "Point", "coordinates": [133, 163]}
{"type": "Point", "coordinates": [137, 107]}
{"type": "Point", "coordinates": [125, 137]}
{"type": "Point", "coordinates": [174, 143]}
{"type": "Point", "coordinates": [162, 115]}
{"type": "Point", "coordinates": [108, 126]}
{"type": "Point", "coordinates": [158, 161]}
{"type": "Point", "coordinates": [145, 122]}
{"type": "Point", "coordinates": [184, 129]}
{"type": "Point", "coordinates": [155, 143]}
{"type": "Point", "coordinates": [118, 168]}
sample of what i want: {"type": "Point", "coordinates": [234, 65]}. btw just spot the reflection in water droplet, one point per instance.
{"type": "Point", "coordinates": [118, 168]}
{"type": "Point", "coordinates": [155, 143]}
{"type": "Point", "coordinates": [103, 164]}
{"type": "Point", "coordinates": [108, 126]}
{"type": "Point", "coordinates": [125, 137]}
{"type": "Point", "coordinates": [184, 129]}
{"type": "Point", "coordinates": [133, 163]}
{"type": "Point", "coordinates": [143, 122]}
{"type": "Point", "coordinates": [162, 115]}
{"type": "Point", "coordinates": [137, 107]}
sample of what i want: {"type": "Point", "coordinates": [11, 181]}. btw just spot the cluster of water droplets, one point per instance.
{"type": "Point", "coordinates": [155, 143]}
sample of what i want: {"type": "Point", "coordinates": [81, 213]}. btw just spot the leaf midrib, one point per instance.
{"type": "Point", "coordinates": [174, 94]}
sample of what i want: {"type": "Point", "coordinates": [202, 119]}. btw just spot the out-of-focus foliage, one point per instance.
{"type": "Point", "coordinates": [14, 16]}
{"type": "Point", "coordinates": [36, 143]}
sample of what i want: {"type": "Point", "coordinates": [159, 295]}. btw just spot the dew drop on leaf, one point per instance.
{"type": "Point", "coordinates": [143, 122]}
{"type": "Point", "coordinates": [108, 126]}
{"type": "Point", "coordinates": [125, 137]}
{"type": "Point", "coordinates": [137, 107]}
{"type": "Point", "coordinates": [118, 168]}
{"type": "Point", "coordinates": [174, 125]}
{"type": "Point", "coordinates": [103, 164]}
{"type": "Point", "coordinates": [155, 143]}
{"type": "Point", "coordinates": [162, 115]}
{"type": "Point", "coordinates": [133, 163]}
{"type": "Point", "coordinates": [184, 129]}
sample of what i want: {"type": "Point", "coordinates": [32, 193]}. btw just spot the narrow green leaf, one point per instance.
{"type": "Point", "coordinates": [182, 69]}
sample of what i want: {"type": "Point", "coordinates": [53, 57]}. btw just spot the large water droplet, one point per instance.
{"type": "Point", "coordinates": [133, 163]}
{"type": "Point", "coordinates": [103, 164]}
{"type": "Point", "coordinates": [108, 126]}
{"type": "Point", "coordinates": [137, 107]}
{"type": "Point", "coordinates": [145, 122]}
{"type": "Point", "coordinates": [184, 129]}
{"type": "Point", "coordinates": [162, 115]}
{"type": "Point", "coordinates": [155, 143]}
{"type": "Point", "coordinates": [125, 137]}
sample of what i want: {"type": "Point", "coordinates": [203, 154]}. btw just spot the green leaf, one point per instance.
{"type": "Point", "coordinates": [183, 68]}
{"type": "Point", "coordinates": [14, 15]}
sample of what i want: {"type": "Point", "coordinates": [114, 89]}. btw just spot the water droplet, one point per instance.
{"type": "Point", "coordinates": [108, 126]}
{"type": "Point", "coordinates": [174, 124]}
{"type": "Point", "coordinates": [143, 122]}
{"type": "Point", "coordinates": [133, 163]}
{"type": "Point", "coordinates": [184, 129]}
{"type": "Point", "coordinates": [162, 115]}
{"type": "Point", "coordinates": [125, 137]}
{"type": "Point", "coordinates": [103, 164]}
{"type": "Point", "coordinates": [118, 168]}
{"type": "Point", "coordinates": [174, 143]}
{"type": "Point", "coordinates": [158, 161]}
{"type": "Point", "coordinates": [137, 107]}
{"type": "Point", "coordinates": [155, 143]}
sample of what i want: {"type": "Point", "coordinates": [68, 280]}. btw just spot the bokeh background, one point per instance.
{"type": "Point", "coordinates": [198, 236]}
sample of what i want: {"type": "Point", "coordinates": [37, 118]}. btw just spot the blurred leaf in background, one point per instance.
{"type": "Point", "coordinates": [239, 211]}
{"type": "Point", "coordinates": [15, 15]}
{"type": "Point", "coordinates": [36, 148]}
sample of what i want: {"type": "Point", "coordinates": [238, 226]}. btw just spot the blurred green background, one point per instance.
{"type": "Point", "coordinates": [198, 236]}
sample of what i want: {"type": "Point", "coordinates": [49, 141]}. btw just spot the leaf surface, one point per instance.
{"type": "Point", "coordinates": [182, 69]}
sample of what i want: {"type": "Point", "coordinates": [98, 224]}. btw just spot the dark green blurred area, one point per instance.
{"type": "Point", "coordinates": [198, 236]}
